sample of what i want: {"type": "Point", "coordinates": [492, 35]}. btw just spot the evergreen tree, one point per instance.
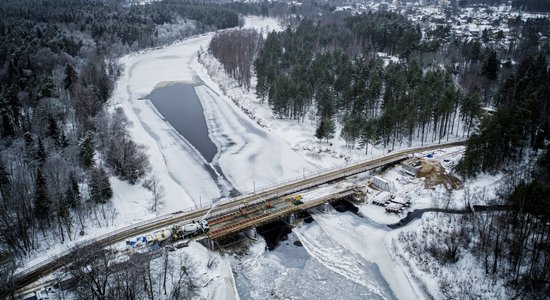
{"type": "Point", "coordinates": [100, 187]}
{"type": "Point", "coordinates": [42, 203]}
{"type": "Point", "coordinates": [490, 65]}
{"type": "Point", "coordinates": [325, 129]}
{"type": "Point", "coordinates": [4, 181]}
{"type": "Point", "coordinates": [70, 77]}
{"type": "Point", "coordinates": [9, 110]}
{"type": "Point", "coordinates": [87, 150]}
{"type": "Point", "coordinates": [72, 195]}
{"type": "Point", "coordinates": [41, 152]}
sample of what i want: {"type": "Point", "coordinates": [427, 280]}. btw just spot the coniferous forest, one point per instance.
{"type": "Point", "coordinates": [430, 87]}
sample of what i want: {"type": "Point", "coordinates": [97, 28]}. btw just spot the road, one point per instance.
{"type": "Point", "coordinates": [54, 263]}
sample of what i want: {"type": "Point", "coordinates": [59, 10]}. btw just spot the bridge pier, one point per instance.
{"type": "Point", "coordinates": [291, 219]}
{"type": "Point", "coordinates": [208, 243]}
{"type": "Point", "coordinates": [252, 233]}
{"type": "Point", "coordinates": [325, 208]}
{"type": "Point", "coordinates": [359, 197]}
{"type": "Point", "coordinates": [211, 245]}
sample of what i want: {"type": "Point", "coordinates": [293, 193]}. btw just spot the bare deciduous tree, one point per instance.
{"type": "Point", "coordinates": [157, 190]}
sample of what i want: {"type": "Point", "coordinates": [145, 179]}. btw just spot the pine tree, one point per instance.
{"type": "Point", "coordinates": [100, 187]}
{"type": "Point", "coordinates": [42, 203]}
{"type": "Point", "coordinates": [72, 194]}
{"type": "Point", "coordinates": [53, 129]}
{"type": "Point", "coordinates": [320, 131]}
{"type": "Point", "coordinates": [41, 152]}
{"type": "Point", "coordinates": [4, 181]}
{"type": "Point", "coordinates": [325, 129]}
{"type": "Point", "coordinates": [87, 150]}
{"type": "Point", "coordinates": [490, 65]}
{"type": "Point", "coordinates": [70, 77]}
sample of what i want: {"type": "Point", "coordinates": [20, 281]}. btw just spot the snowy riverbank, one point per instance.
{"type": "Point", "coordinates": [254, 149]}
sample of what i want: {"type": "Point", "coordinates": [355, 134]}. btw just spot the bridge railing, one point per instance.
{"type": "Point", "coordinates": [324, 172]}
{"type": "Point", "coordinates": [329, 170]}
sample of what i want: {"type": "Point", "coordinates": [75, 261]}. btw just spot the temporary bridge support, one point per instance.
{"type": "Point", "coordinates": [252, 233]}
{"type": "Point", "coordinates": [208, 243]}
{"type": "Point", "coordinates": [291, 219]}
{"type": "Point", "coordinates": [325, 208]}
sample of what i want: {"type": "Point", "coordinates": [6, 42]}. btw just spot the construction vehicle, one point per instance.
{"type": "Point", "coordinates": [293, 198]}
{"type": "Point", "coordinates": [182, 231]}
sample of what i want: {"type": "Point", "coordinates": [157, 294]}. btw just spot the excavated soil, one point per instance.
{"type": "Point", "coordinates": [435, 174]}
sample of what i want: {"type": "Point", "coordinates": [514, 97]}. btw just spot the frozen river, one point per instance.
{"type": "Point", "coordinates": [342, 258]}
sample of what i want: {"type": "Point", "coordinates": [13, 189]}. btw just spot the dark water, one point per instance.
{"type": "Point", "coordinates": [179, 105]}
{"type": "Point", "coordinates": [304, 215]}
{"type": "Point", "coordinates": [274, 233]}
{"type": "Point", "coordinates": [344, 206]}
{"type": "Point", "coordinates": [417, 213]}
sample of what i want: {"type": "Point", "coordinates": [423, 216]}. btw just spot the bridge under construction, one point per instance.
{"type": "Point", "coordinates": [238, 214]}
{"type": "Point", "coordinates": [252, 216]}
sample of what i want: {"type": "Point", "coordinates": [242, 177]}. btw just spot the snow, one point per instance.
{"type": "Point", "coordinates": [255, 149]}
{"type": "Point", "coordinates": [184, 174]}
{"type": "Point", "coordinates": [370, 243]}
{"type": "Point", "coordinates": [252, 154]}
{"type": "Point", "coordinates": [465, 278]}
{"type": "Point", "coordinates": [262, 24]}
{"type": "Point", "coordinates": [248, 156]}
{"type": "Point", "coordinates": [291, 272]}
{"type": "Point", "coordinates": [299, 134]}
{"type": "Point", "coordinates": [248, 153]}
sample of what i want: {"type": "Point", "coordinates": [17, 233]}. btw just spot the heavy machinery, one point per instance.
{"type": "Point", "coordinates": [182, 231]}
{"type": "Point", "coordinates": [295, 199]}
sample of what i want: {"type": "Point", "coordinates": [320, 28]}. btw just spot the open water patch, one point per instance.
{"type": "Point", "coordinates": [305, 215]}
{"type": "Point", "coordinates": [180, 106]}
{"type": "Point", "coordinates": [417, 213]}
{"type": "Point", "coordinates": [274, 233]}
{"type": "Point", "coordinates": [343, 205]}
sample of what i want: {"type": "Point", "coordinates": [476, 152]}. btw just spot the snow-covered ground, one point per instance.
{"type": "Point", "coordinates": [344, 256]}
{"type": "Point", "coordinates": [249, 156]}
{"type": "Point", "coordinates": [463, 279]}
{"type": "Point", "coordinates": [300, 135]}
{"type": "Point", "coordinates": [257, 149]}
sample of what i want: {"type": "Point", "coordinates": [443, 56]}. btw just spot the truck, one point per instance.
{"type": "Point", "coordinates": [182, 231]}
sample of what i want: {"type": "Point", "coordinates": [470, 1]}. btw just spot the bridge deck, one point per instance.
{"type": "Point", "coordinates": [53, 263]}
{"type": "Point", "coordinates": [280, 208]}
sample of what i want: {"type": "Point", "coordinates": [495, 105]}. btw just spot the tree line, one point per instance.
{"type": "Point", "coordinates": [433, 87]}
{"type": "Point", "coordinates": [334, 69]}
{"type": "Point", "coordinates": [58, 144]}
{"type": "Point", "coordinates": [237, 49]}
